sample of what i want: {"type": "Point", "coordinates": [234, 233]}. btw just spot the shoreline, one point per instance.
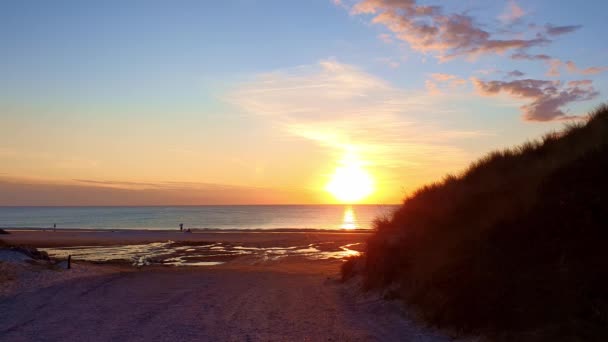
{"type": "Point", "coordinates": [101, 237]}
{"type": "Point", "coordinates": [211, 230]}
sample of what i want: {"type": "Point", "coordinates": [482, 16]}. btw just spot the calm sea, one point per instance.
{"type": "Point", "coordinates": [215, 217]}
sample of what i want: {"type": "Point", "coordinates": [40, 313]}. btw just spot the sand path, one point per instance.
{"type": "Point", "coordinates": [297, 301]}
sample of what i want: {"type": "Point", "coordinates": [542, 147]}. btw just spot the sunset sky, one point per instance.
{"type": "Point", "coordinates": [261, 102]}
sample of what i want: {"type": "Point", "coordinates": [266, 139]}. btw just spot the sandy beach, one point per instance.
{"type": "Point", "coordinates": [105, 237]}
{"type": "Point", "coordinates": [295, 297]}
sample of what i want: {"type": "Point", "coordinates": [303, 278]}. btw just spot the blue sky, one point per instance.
{"type": "Point", "coordinates": [118, 91]}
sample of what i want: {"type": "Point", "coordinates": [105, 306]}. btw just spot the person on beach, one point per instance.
{"type": "Point", "coordinates": [181, 227]}
{"type": "Point", "coordinates": [54, 226]}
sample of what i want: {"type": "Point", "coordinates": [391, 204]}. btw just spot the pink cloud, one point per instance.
{"type": "Point", "coordinates": [512, 13]}
{"type": "Point", "coordinates": [555, 66]}
{"type": "Point", "coordinates": [547, 97]}
{"type": "Point", "coordinates": [441, 82]}
{"type": "Point", "coordinates": [385, 37]}
{"type": "Point", "coordinates": [443, 77]}
{"type": "Point", "coordinates": [428, 29]}
{"type": "Point", "coordinates": [587, 71]}
{"type": "Point", "coordinates": [580, 83]}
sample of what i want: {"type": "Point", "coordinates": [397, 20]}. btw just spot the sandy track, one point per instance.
{"type": "Point", "coordinates": [289, 302]}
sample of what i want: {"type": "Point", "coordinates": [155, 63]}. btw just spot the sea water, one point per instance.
{"type": "Point", "coordinates": [209, 217]}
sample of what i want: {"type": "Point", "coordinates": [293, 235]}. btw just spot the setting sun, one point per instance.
{"type": "Point", "coordinates": [350, 182]}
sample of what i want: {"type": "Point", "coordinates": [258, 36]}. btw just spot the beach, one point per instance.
{"type": "Point", "coordinates": [243, 298]}
{"type": "Point", "coordinates": [104, 237]}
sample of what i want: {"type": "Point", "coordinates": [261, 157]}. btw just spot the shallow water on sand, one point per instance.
{"type": "Point", "coordinates": [213, 217]}
{"type": "Point", "coordinates": [206, 254]}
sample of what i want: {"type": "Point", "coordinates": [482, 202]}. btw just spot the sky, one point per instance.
{"type": "Point", "coordinates": [280, 102]}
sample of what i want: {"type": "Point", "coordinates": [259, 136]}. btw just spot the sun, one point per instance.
{"type": "Point", "coordinates": [350, 182]}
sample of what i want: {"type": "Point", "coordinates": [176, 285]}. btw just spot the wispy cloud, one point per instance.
{"type": "Point", "coordinates": [389, 62]}
{"type": "Point", "coordinates": [515, 74]}
{"type": "Point", "coordinates": [340, 107]}
{"type": "Point", "coordinates": [547, 98]}
{"type": "Point", "coordinates": [512, 13]}
{"type": "Point", "coordinates": [573, 68]}
{"type": "Point", "coordinates": [556, 65]}
{"type": "Point", "coordinates": [530, 57]}
{"type": "Point", "coordinates": [441, 82]}
{"type": "Point", "coordinates": [24, 191]}
{"type": "Point", "coordinates": [559, 30]}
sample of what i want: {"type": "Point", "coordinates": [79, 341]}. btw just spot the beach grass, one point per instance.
{"type": "Point", "coordinates": [512, 248]}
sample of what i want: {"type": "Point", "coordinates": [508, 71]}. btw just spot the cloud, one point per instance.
{"type": "Point", "coordinates": [559, 30]}
{"type": "Point", "coordinates": [515, 74]}
{"type": "Point", "coordinates": [339, 107]}
{"type": "Point", "coordinates": [432, 30]}
{"type": "Point", "coordinates": [580, 83]}
{"type": "Point", "coordinates": [547, 97]}
{"type": "Point", "coordinates": [440, 82]}
{"type": "Point", "coordinates": [525, 56]}
{"type": "Point", "coordinates": [389, 62]}
{"type": "Point", "coordinates": [28, 192]}
{"type": "Point", "coordinates": [427, 29]}
{"type": "Point", "coordinates": [387, 38]}
{"type": "Point", "coordinates": [571, 66]}
{"type": "Point", "coordinates": [512, 13]}
{"type": "Point", "coordinates": [555, 66]}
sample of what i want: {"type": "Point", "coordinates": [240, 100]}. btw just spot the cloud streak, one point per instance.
{"type": "Point", "coordinates": [27, 192]}
{"type": "Point", "coordinates": [559, 30]}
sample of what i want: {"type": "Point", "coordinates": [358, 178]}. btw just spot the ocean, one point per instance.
{"type": "Point", "coordinates": [209, 217]}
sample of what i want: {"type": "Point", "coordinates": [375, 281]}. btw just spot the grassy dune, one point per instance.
{"type": "Point", "coordinates": [514, 248]}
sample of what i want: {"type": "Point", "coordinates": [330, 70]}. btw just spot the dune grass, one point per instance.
{"type": "Point", "coordinates": [514, 248]}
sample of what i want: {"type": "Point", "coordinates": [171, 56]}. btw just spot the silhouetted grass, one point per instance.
{"type": "Point", "coordinates": [515, 248]}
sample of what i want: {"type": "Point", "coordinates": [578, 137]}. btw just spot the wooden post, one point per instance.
{"type": "Point", "coordinates": [69, 261]}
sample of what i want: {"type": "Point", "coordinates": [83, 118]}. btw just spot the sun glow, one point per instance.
{"type": "Point", "coordinates": [350, 182]}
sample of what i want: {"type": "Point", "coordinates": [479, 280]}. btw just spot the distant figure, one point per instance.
{"type": "Point", "coordinates": [188, 231]}
{"type": "Point", "coordinates": [181, 227]}
{"type": "Point", "coordinates": [54, 227]}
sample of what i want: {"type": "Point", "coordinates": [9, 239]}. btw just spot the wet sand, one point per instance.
{"type": "Point", "coordinates": [79, 237]}
{"type": "Point", "coordinates": [293, 298]}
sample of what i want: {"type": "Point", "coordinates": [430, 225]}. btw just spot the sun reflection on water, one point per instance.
{"type": "Point", "coordinates": [349, 221]}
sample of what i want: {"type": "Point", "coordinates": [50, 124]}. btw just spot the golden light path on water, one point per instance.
{"type": "Point", "coordinates": [349, 221]}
